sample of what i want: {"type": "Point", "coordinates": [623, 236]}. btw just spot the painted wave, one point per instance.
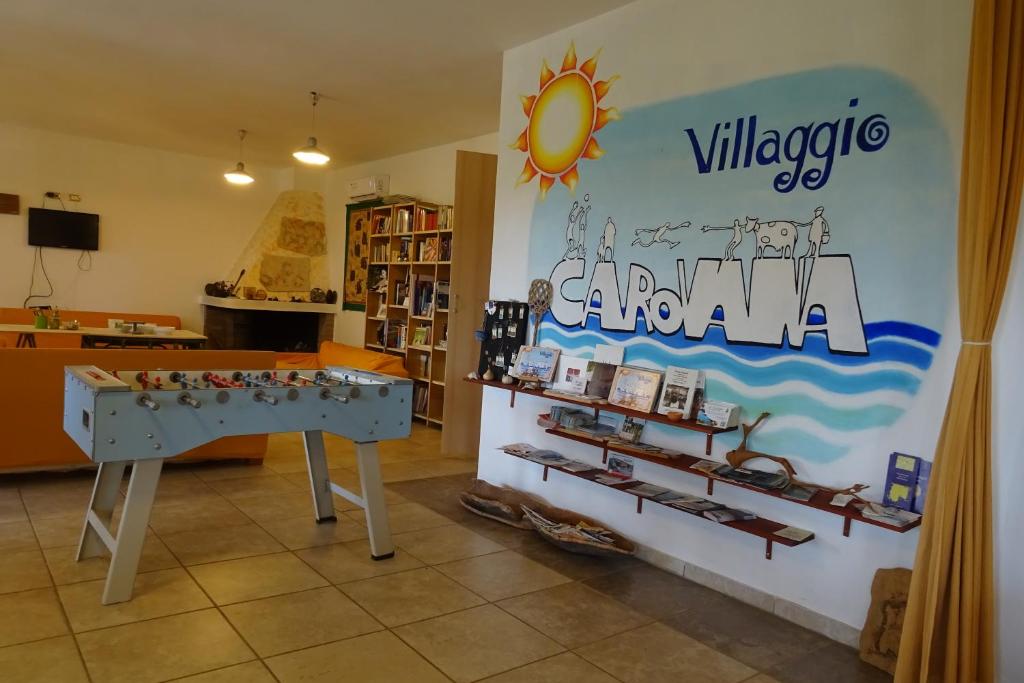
{"type": "Point", "coordinates": [821, 403]}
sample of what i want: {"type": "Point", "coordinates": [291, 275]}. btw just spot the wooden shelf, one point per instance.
{"type": "Point", "coordinates": [375, 346]}
{"type": "Point", "coordinates": [420, 348]}
{"type": "Point", "coordinates": [442, 349]}
{"type": "Point", "coordinates": [691, 425]}
{"type": "Point", "coordinates": [760, 527]}
{"type": "Point", "coordinates": [425, 380]}
{"type": "Point", "coordinates": [422, 317]}
{"type": "Point", "coordinates": [437, 382]}
{"type": "Point", "coordinates": [684, 462]}
{"type": "Point", "coordinates": [382, 235]}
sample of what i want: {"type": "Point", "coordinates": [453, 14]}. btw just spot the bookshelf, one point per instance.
{"type": "Point", "coordinates": [408, 276]}
{"type": "Point", "coordinates": [685, 462]}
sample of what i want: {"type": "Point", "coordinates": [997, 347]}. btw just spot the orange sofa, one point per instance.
{"type": "Point", "coordinates": [31, 403]}
{"type": "Point", "coordinates": [24, 316]}
{"type": "Point", "coordinates": [333, 353]}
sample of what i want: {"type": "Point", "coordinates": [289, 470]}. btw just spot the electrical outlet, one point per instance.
{"type": "Point", "coordinates": [74, 197]}
{"type": "Point", "coordinates": [52, 195]}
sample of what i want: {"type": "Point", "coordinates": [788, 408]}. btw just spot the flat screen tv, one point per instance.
{"type": "Point", "coordinates": [63, 229]}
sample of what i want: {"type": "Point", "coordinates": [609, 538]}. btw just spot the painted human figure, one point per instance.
{"type": "Point", "coordinates": [818, 234]}
{"type": "Point", "coordinates": [737, 237]}
{"type": "Point", "coordinates": [658, 235]}
{"type": "Point", "coordinates": [606, 247]}
{"type": "Point", "coordinates": [572, 244]}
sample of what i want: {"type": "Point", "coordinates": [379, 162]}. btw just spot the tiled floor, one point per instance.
{"type": "Point", "coordinates": [238, 584]}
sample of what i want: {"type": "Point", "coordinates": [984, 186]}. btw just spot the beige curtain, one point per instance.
{"type": "Point", "coordinates": [948, 627]}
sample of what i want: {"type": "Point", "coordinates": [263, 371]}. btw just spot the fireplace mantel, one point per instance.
{"type": "Point", "coordinates": [279, 306]}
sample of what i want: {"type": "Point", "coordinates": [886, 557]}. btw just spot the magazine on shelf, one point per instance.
{"type": "Point", "coordinates": [682, 390]}
{"type": "Point", "coordinates": [794, 534]}
{"type": "Point", "coordinates": [599, 379]}
{"type": "Point", "coordinates": [603, 477]}
{"type": "Point", "coordinates": [571, 378]}
{"type": "Point", "coordinates": [758, 479]}
{"type": "Point", "coordinates": [889, 515]}
{"type": "Point", "coordinates": [632, 428]}
{"type": "Point", "coordinates": [620, 465]}
{"type": "Point", "coordinates": [798, 492]}
{"type": "Point", "coordinates": [675, 498]}
{"type": "Point", "coordinates": [710, 467]}
{"type": "Point", "coordinates": [648, 490]}
{"type": "Point", "coordinates": [724, 514]}
{"type": "Point", "coordinates": [635, 388]}
{"type": "Point", "coordinates": [518, 448]}
{"type": "Point", "coordinates": [697, 505]}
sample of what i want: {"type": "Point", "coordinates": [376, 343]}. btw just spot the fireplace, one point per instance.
{"type": "Point", "coordinates": [266, 325]}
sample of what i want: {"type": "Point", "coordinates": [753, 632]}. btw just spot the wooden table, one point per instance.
{"type": "Point", "coordinates": [106, 337]}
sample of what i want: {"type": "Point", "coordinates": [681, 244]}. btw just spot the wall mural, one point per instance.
{"type": "Point", "coordinates": [792, 236]}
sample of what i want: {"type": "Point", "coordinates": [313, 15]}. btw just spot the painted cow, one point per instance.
{"type": "Point", "coordinates": [779, 235]}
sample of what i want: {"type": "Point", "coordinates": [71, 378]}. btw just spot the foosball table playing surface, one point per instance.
{"type": "Point", "coordinates": [141, 418]}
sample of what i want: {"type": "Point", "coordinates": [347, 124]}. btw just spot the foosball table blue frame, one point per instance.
{"type": "Point", "coordinates": [142, 418]}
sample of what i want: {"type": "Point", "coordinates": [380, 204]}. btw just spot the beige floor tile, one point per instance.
{"type": "Point", "coordinates": [656, 654]}
{"type": "Point", "coordinates": [502, 575]}
{"type": "Point", "coordinates": [573, 614]}
{"type": "Point", "coordinates": [270, 485]}
{"type": "Point", "coordinates": [410, 596]}
{"type": "Point", "coordinates": [11, 508]}
{"type": "Point", "coordinates": [374, 658]}
{"type": "Point", "coordinates": [59, 498]}
{"type": "Point", "coordinates": [62, 529]}
{"type": "Point", "coordinates": [30, 615]}
{"type": "Point", "coordinates": [204, 512]}
{"type": "Point", "coordinates": [761, 678]}
{"type": "Point", "coordinates": [284, 623]}
{"type": "Point", "coordinates": [218, 544]}
{"type": "Point", "coordinates": [209, 472]}
{"type": "Point", "coordinates": [563, 668]}
{"type": "Point", "coordinates": [250, 672]}
{"type": "Point", "coordinates": [406, 517]}
{"type": "Point", "coordinates": [440, 467]}
{"type": "Point", "coordinates": [342, 562]}
{"type": "Point", "coordinates": [304, 532]}
{"type": "Point", "coordinates": [347, 478]}
{"type": "Point", "coordinates": [404, 470]}
{"type": "Point", "coordinates": [15, 536]}
{"type": "Point", "coordinates": [265, 508]}
{"type": "Point", "coordinates": [23, 570]}
{"type": "Point", "coordinates": [160, 649]}
{"type": "Point", "coordinates": [156, 594]}
{"type": "Point", "coordinates": [446, 543]}
{"type": "Point", "coordinates": [65, 569]}
{"type": "Point", "coordinates": [251, 578]}
{"type": "Point", "coordinates": [44, 661]}
{"type": "Point", "coordinates": [476, 643]}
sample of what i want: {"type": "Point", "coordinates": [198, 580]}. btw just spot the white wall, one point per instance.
{"type": "Point", "coordinates": [169, 223]}
{"type": "Point", "coordinates": [427, 174]}
{"type": "Point", "coordinates": [1008, 469]}
{"type": "Point", "coordinates": [671, 49]}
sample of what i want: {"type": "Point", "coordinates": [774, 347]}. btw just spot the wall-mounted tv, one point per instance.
{"type": "Point", "coordinates": [63, 229]}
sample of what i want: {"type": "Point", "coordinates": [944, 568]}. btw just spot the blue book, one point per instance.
{"type": "Point", "coordinates": [901, 481]}
{"type": "Point", "coordinates": [924, 473]}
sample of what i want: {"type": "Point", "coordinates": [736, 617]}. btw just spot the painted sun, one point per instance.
{"type": "Point", "coordinates": [562, 119]}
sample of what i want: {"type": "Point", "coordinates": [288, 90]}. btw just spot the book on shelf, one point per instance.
{"type": "Point", "coordinates": [402, 254]}
{"type": "Point", "coordinates": [635, 388]}
{"type": "Point", "coordinates": [682, 390]}
{"type": "Point", "coordinates": [535, 363]}
{"type": "Point", "coordinates": [396, 334]}
{"type": "Point", "coordinates": [647, 490]}
{"type": "Point", "coordinates": [696, 505]}
{"type": "Point", "coordinates": [444, 248]}
{"type": "Point", "coordinates": [632, 428]}
{"type": "Point", "coordinates": [599, 379]}
{"type": "Point", "coordinates": [442, 343]}
{"type": "Point", "coordinates": [426, 220]}
{"type": "Point", "coordinates": [421, 335]}
{"type": "Point", "coordinates": [710, 467]}
{"type": "Point", "coordinates": [901, 481]}
{"type": "Point", "coordinates": [571, 377]}
{"type": "Point", "coordinates": [403, 221]}
{"type": "Point", "coordinates": [758, 478]}
{"type": "Point", "coordinates": [445, 215]}
{"type": "Point", "coordinates": [889, 515]}
{"type": "Point", "coordinates": [419, 398]}
{"type": "Point", "coordinates": [443, 291]}
{"type": "Point", "coordinates": [382, 224]}
{"type": "Point", "coordinates": [798, 492]}
{"type": "Point", "coordinates": [380, 252]}
{"type": "Point", "coordinates": [427, 250]}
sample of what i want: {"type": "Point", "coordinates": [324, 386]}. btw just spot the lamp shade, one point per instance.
{"type": "Point", "coordinates": [311, 154]}
{"type": "Point", "coordinates": [239, 176]}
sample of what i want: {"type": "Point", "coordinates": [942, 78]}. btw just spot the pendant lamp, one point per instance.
{"type": "Point", "coordinates": [311, 154]}
{"type": "Point", "coordinates": [238, 175]}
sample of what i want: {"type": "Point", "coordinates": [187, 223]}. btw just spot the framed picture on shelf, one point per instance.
{"type": "Point", "coordinates": [682, 392]}
{"type": "Point", "coordinates": [635, 388]}
{"type": "Point", "coordinates": [536, 364]}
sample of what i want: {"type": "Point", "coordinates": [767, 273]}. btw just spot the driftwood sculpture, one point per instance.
{"type": "Point", "coordinates": [739, 456]}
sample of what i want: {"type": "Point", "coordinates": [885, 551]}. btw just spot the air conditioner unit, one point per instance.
{"type": "Point", "coordinates": [370, 187]}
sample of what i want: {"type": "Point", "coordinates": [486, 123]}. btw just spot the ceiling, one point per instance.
{"type": "Point", "coordinates": [184, 75]}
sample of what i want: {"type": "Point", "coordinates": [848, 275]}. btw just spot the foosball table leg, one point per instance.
{"type": "Point", "coordinates": [319, 478]}
{"type": "Point", "coordinates": [381, 546]}
{"type": "Point", "coordinates": [126, 547]}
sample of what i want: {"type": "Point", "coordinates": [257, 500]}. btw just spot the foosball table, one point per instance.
{"type": "Point", "coordinates": [141, 418]}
